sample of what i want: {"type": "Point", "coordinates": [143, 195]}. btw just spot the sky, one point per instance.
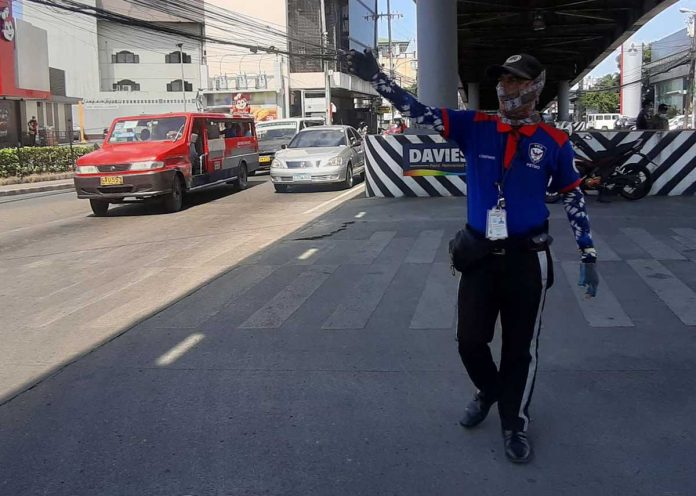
{"type": "Point", "coordinates": [667, 22]}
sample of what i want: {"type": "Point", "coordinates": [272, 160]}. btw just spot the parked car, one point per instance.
{"type": "Point", "coordinates": [276, 133]}
{"type": "Point", "coordinates": [625, 123]}
{"type": "Point", "coordinates": [676, 122]}
{"type": "Point", "coordinates": [605, 122]}
{"type": "Point", "coordinates": [164, 156]}
{"type": "Point", "coordinates": [322, 154]}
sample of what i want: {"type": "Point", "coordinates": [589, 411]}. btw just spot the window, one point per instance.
{"type": "Point", "coordinates": [176, 86]}
{"type": "Point", "coordinates": [353, 135]}
{"type": "Point", "coordinates": [126, 85]}
{"type": "Point", "coordinates": [213, 129]}
{"type": "Point", "coordinates": [175, 58]}
{"type": "Point", "coordinates": [125, 57]}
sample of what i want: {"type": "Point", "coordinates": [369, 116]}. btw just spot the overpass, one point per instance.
{"type": "Point", "coordinates": [570, 37]}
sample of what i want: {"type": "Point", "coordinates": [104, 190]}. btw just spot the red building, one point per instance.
{"type": "Point", "coordinates": [28, 87]}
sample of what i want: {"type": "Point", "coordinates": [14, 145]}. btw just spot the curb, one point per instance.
{"type": "Point", "coordinates": [38, 189]}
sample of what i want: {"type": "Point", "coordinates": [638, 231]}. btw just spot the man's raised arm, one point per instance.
{"type": "Point", "coordinates": [365, 66]}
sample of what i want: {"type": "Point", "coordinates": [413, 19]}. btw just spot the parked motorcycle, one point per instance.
{"type": "Point", "coordinates": [608, 172]}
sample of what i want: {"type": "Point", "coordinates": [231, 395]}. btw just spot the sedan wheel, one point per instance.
{"type": "Point", "coordinates": [348, 182]}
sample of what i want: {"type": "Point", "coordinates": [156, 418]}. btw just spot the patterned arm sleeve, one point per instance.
{"type": "Point", "coordinates": [574, 204]}
{"type": "Point", "coordinates": [410, 107]}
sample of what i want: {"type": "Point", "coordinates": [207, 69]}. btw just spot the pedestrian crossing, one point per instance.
{"type": "Point", "coordinates": [369, 275]}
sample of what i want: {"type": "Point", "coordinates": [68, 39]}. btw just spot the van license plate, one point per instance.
{"type": "Point", "coordinates": [302, 177]}
{"type": "Point", "coordinates": [110, 180]}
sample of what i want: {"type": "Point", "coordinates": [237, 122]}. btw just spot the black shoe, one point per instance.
{"type": "Point", "coordinates": [476, 411]}
{"type": "Point", "coordinates": [517, 447]}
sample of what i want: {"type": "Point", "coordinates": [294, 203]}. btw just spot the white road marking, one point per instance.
{"type": "Point", "coordinates": [674, 293]}
{"type": "Point", "coordinates": [179, 350]}
{"type": "Point", "coordinates": [354, 191]}
{"type": "Point", "coordinates": [360, 215]}
{"type": "Point", "coordinates": [308, 254]}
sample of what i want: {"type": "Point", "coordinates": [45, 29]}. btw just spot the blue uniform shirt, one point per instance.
{"type": "Point", "coordinates": [526, 157]}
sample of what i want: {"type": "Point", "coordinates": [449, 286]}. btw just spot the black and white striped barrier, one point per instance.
{"type": "Point", "coordinates": [673, 154]}
{"type": "Point", "coordinates": [398, 165]}
{"type": "Point", "coordinates": [408, 165]}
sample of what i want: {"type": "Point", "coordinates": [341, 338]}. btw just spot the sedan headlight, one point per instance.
{"type": "Point", "coordinates": [278, 164]}
{"type": "Point", "coordinates": [334, 162]}
{"type": "Point", "coordinates": [152, 164]}
{"type": "Point", "coordinates": [86, 169]}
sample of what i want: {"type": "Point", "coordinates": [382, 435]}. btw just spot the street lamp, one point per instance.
{"type": "Point", "coordinates": [181, 60]}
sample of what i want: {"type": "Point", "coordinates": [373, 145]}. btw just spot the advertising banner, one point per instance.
{"type": "Point", "coordinates": [433, 159]}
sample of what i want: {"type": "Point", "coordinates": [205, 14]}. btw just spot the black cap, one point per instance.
{"type": "Point", "coordinates": [521, 65]}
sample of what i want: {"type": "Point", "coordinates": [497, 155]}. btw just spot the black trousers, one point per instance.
{"type": "Point", "coordinates": [513, 285]}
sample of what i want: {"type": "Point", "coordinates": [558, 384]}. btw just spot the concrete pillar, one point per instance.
{"type": "Point", "coordinates": [473, 97]}
{"type": "Point", "coordinates": [564, 100]}
{"type": "Point", "coordinates": [437, 52]}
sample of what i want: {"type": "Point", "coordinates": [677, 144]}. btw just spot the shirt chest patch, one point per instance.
{"type": "Point", "coordinates": [536, 153]}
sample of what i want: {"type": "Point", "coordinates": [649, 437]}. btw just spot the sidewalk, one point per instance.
{"type": "Point", "coordinates": [39, 187]}
{"type": "Point", "coordinates": [326, 365]}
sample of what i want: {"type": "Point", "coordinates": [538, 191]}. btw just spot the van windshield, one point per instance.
{"type": "Point", "coordinates": [155, 129]}
{"type": "Point", "coordinates": [275, 132]}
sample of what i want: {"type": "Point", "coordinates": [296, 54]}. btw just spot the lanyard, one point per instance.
{"type": "Point", "coordinates": [500, 184]}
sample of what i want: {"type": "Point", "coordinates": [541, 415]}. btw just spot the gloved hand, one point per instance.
{"type": "Point", "coordinates": [364, 65]}
{"type": "Point", "coordinates": [589, 278]}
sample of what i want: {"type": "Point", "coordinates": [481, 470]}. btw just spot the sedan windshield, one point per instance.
{"type": "Point", "coordinates": [318, 138]}
{"type": "Point", "coordinates": [155, 129]}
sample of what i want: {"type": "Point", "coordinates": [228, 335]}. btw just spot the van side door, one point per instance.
{"type": "Point", "coordinates": [216, 146]}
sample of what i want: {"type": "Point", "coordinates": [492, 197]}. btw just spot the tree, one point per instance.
{"type": "Point", "coordinates": [413, 89]}
{"type": "Point", "coordinates": [647, 53]}
{"type": "Point", "coordinates": [604, 97]}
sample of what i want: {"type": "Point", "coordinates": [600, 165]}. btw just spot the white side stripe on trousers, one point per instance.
{"type": "Point", "coordinates": [534, 343]}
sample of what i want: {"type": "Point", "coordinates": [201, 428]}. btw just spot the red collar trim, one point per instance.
{"type": "Point", "coordinates": [527, 130]}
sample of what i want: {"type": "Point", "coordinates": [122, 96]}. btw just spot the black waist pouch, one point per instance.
{"type": "Point", "coordinates": [466, 249]}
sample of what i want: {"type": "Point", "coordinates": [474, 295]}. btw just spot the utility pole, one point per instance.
{"type": "Point", "coordinates": [389, 17]}
{"type": "Point", "coordinates": [181, 60]}
{"type": "Point", "coordinates": [325, 63]}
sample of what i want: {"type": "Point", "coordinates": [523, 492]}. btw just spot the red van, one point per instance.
{"type": "Point", "coordinates": [165, 156]}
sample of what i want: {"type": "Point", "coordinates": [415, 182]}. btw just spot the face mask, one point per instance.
{"type": "Point", "coordinates": [518, 108]}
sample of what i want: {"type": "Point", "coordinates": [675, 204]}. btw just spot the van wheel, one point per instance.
{"type": "Point", "coordinates": [281, 188]}
{"type": "Point", "coordinates": [99, 207]}
{"type": "Point", "coordinates": [174, 200]}
{"type": "Point", "coordinates": [242, 181]}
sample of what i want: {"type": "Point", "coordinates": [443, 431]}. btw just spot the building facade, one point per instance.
{"type": "Point", "coordinates": [667, 72]}
{"type": "Point", "coordinates": [29, 87]}
{"type": "Point", "coordinates": [119, 69]}
{"type": "Point", "coordinates": [350, 24]}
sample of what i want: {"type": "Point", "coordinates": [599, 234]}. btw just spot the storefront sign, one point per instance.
{"type": "Point", "coordinates": [433, 159]}
{"type": "Point", "coordinates": [8, 29]}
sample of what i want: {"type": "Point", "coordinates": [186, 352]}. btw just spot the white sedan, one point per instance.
{"type": "Point", "coordinates": [320, 154]}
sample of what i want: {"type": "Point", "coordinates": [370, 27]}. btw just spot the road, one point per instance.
{"type": "Point", "coordinates": [325, 363]}
{"type": "Point", "coordinates": [72, 280]}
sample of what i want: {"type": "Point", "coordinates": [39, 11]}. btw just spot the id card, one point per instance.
{"type": "Point", "coordinates": [496, 224]}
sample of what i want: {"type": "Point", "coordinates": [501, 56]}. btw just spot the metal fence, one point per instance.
{"type": "Point", "coordinates": [49, 137]}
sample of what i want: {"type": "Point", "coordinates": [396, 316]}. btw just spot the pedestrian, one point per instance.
{"type": "Point", "coordinates": [503, 254]}
{"type": "Point", "coordinates": [362, 129]}
{"type": "Point", "coordinates": [660, 120]}
{"type": "Point", "coordinates": [33, 129]}
{"type": "Point", "coordinates": [642, 121]}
